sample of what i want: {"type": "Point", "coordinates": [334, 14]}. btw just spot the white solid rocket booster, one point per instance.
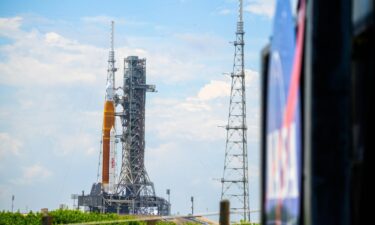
{"type": "Point", "coordinates": [112, 162]}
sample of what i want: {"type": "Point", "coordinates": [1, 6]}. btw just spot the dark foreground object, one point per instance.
{"type": "Point", "coordinates": [224, 213]}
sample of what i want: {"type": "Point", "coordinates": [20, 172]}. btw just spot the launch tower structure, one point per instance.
{"type": "Point", "coordinates": [134, 182]}
{"type": "Point", "coordinates": [235, 181]}
{"type": "Point", "coordinates": [133, 192]}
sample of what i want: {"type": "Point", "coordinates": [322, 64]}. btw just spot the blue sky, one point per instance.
{"type": "Point", "coordinates": [53, 60]}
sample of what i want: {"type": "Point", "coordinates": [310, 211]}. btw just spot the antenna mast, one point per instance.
{"type": "Point", "coordinates": [235, 181]}
{"type": "Point", "coordinates": [111, 58]}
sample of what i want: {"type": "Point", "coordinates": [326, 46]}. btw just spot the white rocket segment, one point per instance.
{"type": "Point", "coordinates": [112, 162]}
{"type": "Point", "coordinates": [110, 90]}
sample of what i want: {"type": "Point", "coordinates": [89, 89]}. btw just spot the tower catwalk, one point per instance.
{"type": "Point", "coordinates": [235, 185]}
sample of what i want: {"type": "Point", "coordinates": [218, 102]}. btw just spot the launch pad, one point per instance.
{"type": "Point", "coordinates": [132, 192]}
{"type": "Point", "coordinates": [97, 201]}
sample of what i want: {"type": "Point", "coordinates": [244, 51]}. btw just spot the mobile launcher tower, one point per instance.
{"type": "Point", "coordinates": [132, 192]}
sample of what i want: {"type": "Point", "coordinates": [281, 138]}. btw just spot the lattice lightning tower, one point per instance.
{"type": "Point", "coordinates": [235, 185]}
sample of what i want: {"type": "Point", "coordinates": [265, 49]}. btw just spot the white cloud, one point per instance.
{"type": "Point", "coordinates": [9, 27]}
{"type": "Point", "coordinates": [251, 77]}
{"type": "Point", "coordinates": [164, 151]}
{"type": "Point", "coordinates": [163, 65]}
{"type": "Point", "coordinates": [221, 88]}
{"type": "Point", "coordinates": [225, 11]}
{"type": "Point", "coordinates": [198, 117]}
{"type": "Point", "coordinates": [77, 142]}
{"type": "Point", "coordinates": [50, 59]}
{"type": "Point", "coordinates": [171, 70]}
{"type": "Point", "coordinates": [9, 145]}
{"type": "Point", "coordinates": [188, 119]}
{"type": "Point", "coordinates": [192, 105]}
{"type": "Point", "coordinates": [261, 7]}
{"type": "Point", "coordinates": [32, 174]}
{"type": "Point", "coordinates": [106, 20]}
{"type": "Point", "coordinates": [99, 19]}
{"type": "Point", "coordinates": [54, 38]}
{"type": "Point", "coordinates": [47, 59]}
{"type": "Point", "coordinates": [188, 60]}
{"type": "Point", "coordinates": [214, 89]}
{"type": "Point", "coordinates": [202, 43]}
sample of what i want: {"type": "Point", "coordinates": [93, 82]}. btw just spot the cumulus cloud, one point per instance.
{"type": "Point", "coordinates": [261, 7]}
{"type": "Point", "coordinates": [50, 59]}
{"type": "Point", "coordinates": [32, 174]}
{"type": "Point", "coordinates": [168, 69]}
{"type": "Point", "coordinates": [9, 145]}
{"type": "Point", "coordinates": [251, 77]}
{"type": "Point", "coordinates": [214, 89]}
{"type": "Point", "coordinates": [9, 27]}
{"type": "Point", "coordinates": [225, 11]}
{"type": "Point", "coordinates": [99, 19]}
{"type": "Point", "coordinates": [46, 59]}
{"type": "Point", "coordinates": [77, 142]}
{"type": "Point", "coordinates": [202, 43]}
{"type": "Point", "coordinates": [36, 60]}
{"type": "Point", "coordinates": [105, 20]}
{"type": "Point", "coordinates": [221, 88]}
{"type": "Point", "coordinates": [189, 119]}
{"type": "Point", "coordinates": [164, 152]}
{"type": "Point", "coordinates": [186, 61]}
{"type": "Point", "coordinates": [198, 117]}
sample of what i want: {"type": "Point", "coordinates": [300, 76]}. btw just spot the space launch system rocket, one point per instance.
{"type": "Point", "coordinates": [108, 132]}
{"type": "Point", "coordinates": [132, 191]}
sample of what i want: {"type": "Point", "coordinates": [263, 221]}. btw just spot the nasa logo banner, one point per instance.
{"type": "Point", "coordinates": [283, 126]}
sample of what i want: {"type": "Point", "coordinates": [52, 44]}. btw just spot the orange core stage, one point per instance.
{"type": "Point", "coordinates": [108, 123]}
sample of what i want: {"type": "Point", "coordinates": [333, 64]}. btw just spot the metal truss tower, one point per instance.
{"type": "Point", "coordinates": [235, 182]}
{"type": "Point", "coordinates": [134, 182]}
